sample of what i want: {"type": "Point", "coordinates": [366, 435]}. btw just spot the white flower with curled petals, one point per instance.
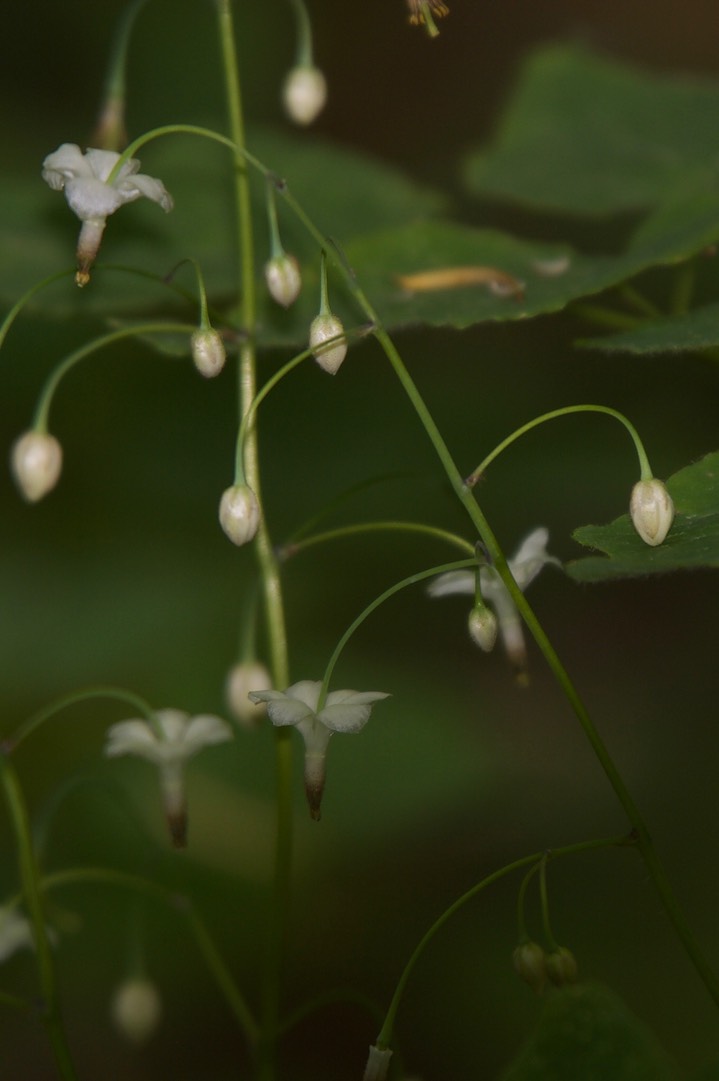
{"type": "Point", "coordinates": [92, 196]}
{"type": "Point", "coordinates": [524, 565]}
{"type": "Point", "coordinates": [178, 738]}
{"type": "Point", "coordinates": [343, 711]}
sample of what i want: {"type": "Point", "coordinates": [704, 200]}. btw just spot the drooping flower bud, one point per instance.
{"type": "Point", "coordinates": [304, 94]}
{"type": "Point", "coordinates": [241, 680]}
{"type": "Point", "coordinates": [36, 463]}
{"type": "Point", "coordinates": [652, 510]}
{"type": "Point", "coordinates": [561, 967]}
{"type": "Point", "coordinates": [239, 513]}
{"type": "Point", "coordinates": [322, 329]}
{"type": "Point", "coordinates": [530, 963]}
{"type": "Point", "coordinates": [282, 274]}
{"type": "Point", "coordinates": [482, 625]}
{"type": "Point", "coordinates": [208, 352]}
{"type": "Point", "coordinates": [136, 1009]}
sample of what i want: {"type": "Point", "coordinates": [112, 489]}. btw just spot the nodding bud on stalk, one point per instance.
{"type": "Point", "coordinates": [323, 329]}
{"type": "Point", "coordinates": [561, 967]}
{"type": "Point", "coordinates": [243, 678]}
{"type": "Point", "coordinates": [652, 510]}
{"type": "Point", "coordinates": [136, 1009]}
{"type": "Point", "coordinates": [36, 463]}
{"type": "Point", "coordinates": [239, 513]}
{"type": "Point", "coordinates": [530, 963]}
{"type": "Point", "coordinates": [208, 352]}
{"type": "Point", "coordinates": [482, 625]}
{"type": "Point", "coordinates": [282, 274]}
{"type": "Point", "coordinates": [304, 94]}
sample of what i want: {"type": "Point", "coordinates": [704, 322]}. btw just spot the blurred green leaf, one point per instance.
{"type": "Point", "coordinates": [588, 136]}
{"type": "Point", "coordinates": [693, 540]}
{"type": "Point", "coordinates": [586, 1033]}
{"type": "Point", "coordinates": [686, 333]}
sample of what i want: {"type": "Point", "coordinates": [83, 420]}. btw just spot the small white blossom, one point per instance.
{"type": "Point", "coordinates": [322, 329]}
{"type": "Point", "coordinates": [179, 738]}
{"type": "Point", "coordinates": [15, 933]}
{"type": "Point", "coordinates": [304, 94]}
{"type": "Point", "coordinates": [84, 179]}
{"type": "Point", "coordinates": [652, 510]}
{"type": "Point", "coordinates": [343, 711]}
{"type": "Point", "coordinates": [36, 462]}
{"type": "Point", "coordinates": [136, 1009]}
{"type": "Point", "coordinates": [524, 566]}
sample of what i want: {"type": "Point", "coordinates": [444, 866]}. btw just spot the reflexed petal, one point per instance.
{"type": "Point", "coordinates": [204, 731]}
{"type": "Point", "coordinates": [452, 582]}
{"type": "Point", "coordinates": [151, 189]}
{"type": "Point", "coordinates": [131, 737]}
{"type": "Point", "coordinates": [63, 164]}
{"type": "Point", "coordinates": [286, 710]}
{"type": "Point", "coordinates": [530, 557]}
{"type": "Point", "coordinates": [348, 711]}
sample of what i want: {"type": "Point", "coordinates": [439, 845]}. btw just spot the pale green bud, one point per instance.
{"type": "Point", "coordinates": [304, 94]}
{"type": "Point", "coordinates": [243, 678]}
{"type": "Point", "coordinates": [282, 274]}
{"type": "Point", "coordinates": [208, 352]}
{"type": "Point", "coordinates": [482, 625]}
{"type": "Point", "coordinates": [562, 967]}
{"type": "Point", "coordinates": [529, 960]}
{"type": "Point", "coordinates": [652, 510]}
{"type": "Point", "coordinates": [239, 513]}
{"type": "Point", "coordinates": [322, 329]}
{"type": "Point", "coordinates": [136, 1009]}
{"type": "Point", "coordinates": [36, 463]}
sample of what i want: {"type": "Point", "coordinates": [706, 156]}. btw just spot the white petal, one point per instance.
{"type": "Point", "coordinates": [14, 933]}
{"type": "Point", "coordinates": [63, 164]}
{"type": "Point", "coordinates": [204, 731]}
{"type": "Point", "coordinates": [288, 711]}
{"type": "Point", "coordinates": [452, 582]}
{"type": "Point", "coordinates": [173, 724]}
{"type": "Point", "coordinates": [90, 198]}
{"type": "Point", "coordinates": [348, 711]}
{"type": "Point", "coordinates": [102, 162]}
{"type": "Point", "coordinates": [131, 737]}
{"type": "Point", "coordinates": [151, 189]}
{"type": "Point", "coordinates": [307, 691]}
{"type": "Point", "coordinates": [530, 557]}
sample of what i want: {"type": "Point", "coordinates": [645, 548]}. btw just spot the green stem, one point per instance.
{"type": "Point", "coordinates": [210, 953]}
{"type": "Point", "coordinates": [30, 879]}
{"type": "Point", "coordinates": [384, 1038]}
{"type": "Point", "coordinates": [544, 901]}
{"type": "Point", "coordinates": [568, 410]}
{"type": "Point", "coordinates": [42, 410]}
{"type": "Point", "coordinates": [117, 693]}
{"type": "Point", "coordinates": [631, 295]}
{"type": "Point", "coordinates": [269, 566]}
{"type": "Point", "coordinates": [606, 317]}
{"type": "Point", "coordinates": [294, 548]}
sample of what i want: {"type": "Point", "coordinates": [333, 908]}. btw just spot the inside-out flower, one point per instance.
{"type": "Point", "coordinates": [524, 565]}
{"type": "Point", "coordinates": [178, 738]}
{"type": "Point", "coordinates": [92, 196]}
{"type": "Point", "coordinates": [343, 711]}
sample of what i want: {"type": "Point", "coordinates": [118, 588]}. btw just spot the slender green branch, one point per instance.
{"type": "Point", "coordinates": [606, 317]}
{"type": "Point", "coordinates": [568, 410]}
{"type": "Point", "coordinates": [293, 548]}
{"type": "Point", "coordinates": [31, 888]}
{"type": "Point", "coordinates": [118, 694]}
{"type": "Point", "coordinates": [385, 1035]}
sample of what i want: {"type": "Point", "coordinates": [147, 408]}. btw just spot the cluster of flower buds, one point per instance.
{"type": "Point", "coordinates": [538, 968]}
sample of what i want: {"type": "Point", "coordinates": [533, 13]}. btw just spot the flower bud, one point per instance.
{"type": "Point", "coordinates": [377, 1064]}
{"type": "Point", "coordinates": [282, 274]}
{"type": "Point", "coordinates": [208, 352]}
{"type": "Point", "coordinates": [36, 462]}
{"type": "Point", "coordinates": [136, 1009]}
{"type": "Point", "coordinates": [482, 625]}
{"type": "Point", "coordinates": [304, 94]}
{"type": "Point", "coordinates": [561, 967]}
{"type": "Point", "coordinates": [530, 963]}
{"type": "Point", "coordinates": [323, 328]}
{"type": "Point", "coordinates": [239, 513]}
{"type": "Point", "coordinates": [241, 679]}
{"type": "Point", "coordinates": [652, 510]}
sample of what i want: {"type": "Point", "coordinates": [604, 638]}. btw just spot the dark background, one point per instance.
{"type": "Point", "coordinates": [122, 576]}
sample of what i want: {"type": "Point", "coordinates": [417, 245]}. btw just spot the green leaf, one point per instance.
{"type": "Point", "coordinates": [586, 1033]}
{"type": "Point", "coordinates": [693, 540]}
{"type": "Point", "coordinates": [688, 333]}
{"type": "Point", "coordinates": [589, 136]}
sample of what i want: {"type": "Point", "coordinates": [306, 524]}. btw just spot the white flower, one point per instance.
{"type": "Point", "coordinates": [15, 933]}
{"type": "Point", "coordinates": [84, 179]}
{"type": "Point", "coordinates": [136, 1009]}
{"type": "Point", "coordinates": [524, 565]}
{"type": "Point", "coordinates": [651, 510]}
{"type": "Point", "coordinates": [343, 711]}
{"type": "Point", "coordinates": [180, 737]}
